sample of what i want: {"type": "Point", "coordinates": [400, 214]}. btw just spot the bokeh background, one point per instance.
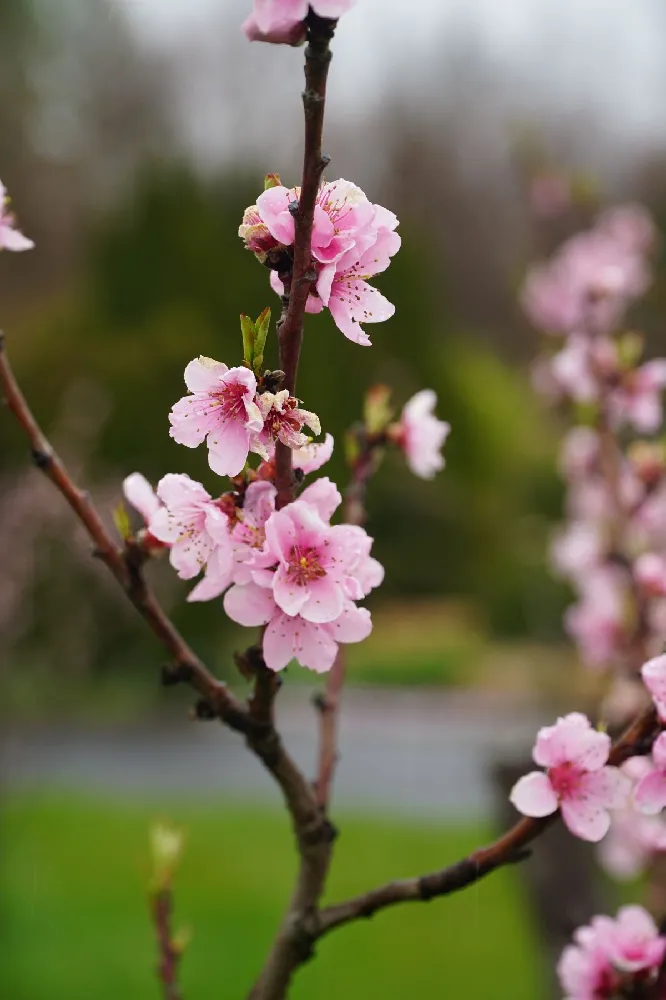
{"type": "Point", "coordinates": [132, 135]}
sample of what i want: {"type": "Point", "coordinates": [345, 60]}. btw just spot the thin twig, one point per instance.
{"type": "Point", "coordinates": [290, 336]}
{"type": "Point", "coordinates": [508, 849]}
{"type": "Point", "coordinates": [169, 955]}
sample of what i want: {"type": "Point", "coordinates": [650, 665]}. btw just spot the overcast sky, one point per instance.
{"type": "Point", "coordinates": [605, 56]}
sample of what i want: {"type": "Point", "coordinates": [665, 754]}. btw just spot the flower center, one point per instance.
{"type": "Point", "coordinates": [565, 779]}
{"type": "Point", "coordinates": [304, 566]}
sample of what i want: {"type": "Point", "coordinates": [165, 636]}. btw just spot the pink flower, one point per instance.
{"type": "Point", "coordinates": [10, 237]}
{"type": "Point", "coordinates": [282, 20]}
{"type": "Point", "coordinates": [650, 793]}
{"type": "Point", "coordinates": [343, 218]}
{"type": "Point", "coordinates": [588, 283]}
{"type": "Point", "coordinates": [606, 951]}
{"type": "Point", "coordinates": [637, 399]}
{"type": "Point", "coordinates": [311, 456]}
{"type": "Point", "coordinates": [585, 972]}
{"type": "Point", "coordinates": [283, 421]}
{"type": "Point", "coordinates": [198, 532]}
{"type": "Point", "coordinates": [631, 941]}
{"type": "Point", "coordinates": [250, 552]}
{"type": "Point", "coordinates": [577, 548]}
{"type": "Point", "coordinates": [577, 780]}
{"type": "Point", "coordinates": [650, 574]}
{"type": "Point", "coordinates": [141, 495]}
{"type": "Point", "coordinates": [597, 621]}
{"type": "Point", "coordinates": [352, 240]}
{"type": "Point", "coordinates": [344, 289]}
{"type": "Point", "coordinates": [221, 409]}
{"type": "Point", "coordinates": [311, 563]}
{"type": "Point", "coordinates": [289, 637]}
{"type": "Point", "coordinates": [654, 676]}
{"type": "Point", "coordinates": [421, 435]}
{"type": "Point", "coordinates": [580, 453]}
{"type": "Point", "coordinates": [255, 234]}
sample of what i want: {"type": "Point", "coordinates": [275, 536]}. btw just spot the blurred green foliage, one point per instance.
{"type": "Point", "coordinates": [166, 278]}
{"type": "Point", "coordinates": [76, 921]}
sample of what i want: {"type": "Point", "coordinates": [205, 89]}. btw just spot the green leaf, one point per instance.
{"type": "Point", "coordinates": [248, 331]}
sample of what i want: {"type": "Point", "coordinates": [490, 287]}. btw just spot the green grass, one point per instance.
{"type": "Point", "coordinates": [75, 924]}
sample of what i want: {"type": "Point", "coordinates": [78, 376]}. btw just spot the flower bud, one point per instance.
{"type": "Point", "coordinates": [166, 848]}
{"type": "Point", "coordinates": [255, 234]}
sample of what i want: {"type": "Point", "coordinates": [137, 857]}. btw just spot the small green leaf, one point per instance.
{"type": "Point", "coordinates": [272, 181]}
{"type": "Point", "coordinates": [248, 332]}
{"type": "Point", "coordinates": [261, 328]}
{"type": "Point", "coordinates": [122, 522]}
{"type": "Point", "coordinates": [377, 410]}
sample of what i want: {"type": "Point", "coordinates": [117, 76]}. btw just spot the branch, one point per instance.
{"type": "Point", "coordinates": [290, 335]}
{"type": "Point", "coordinates": [219, 701]}
{"type": "Point", "coordinates": [167, 969]}
{"type": "Point", "coordinates": [510, 848]}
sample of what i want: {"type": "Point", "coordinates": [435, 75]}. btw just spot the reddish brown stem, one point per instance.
{"type": "Point", "coordinates": [169, 956]}
{"type": "Point", "coordinates": [290, 335]}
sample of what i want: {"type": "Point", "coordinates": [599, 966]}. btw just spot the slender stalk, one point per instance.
{"type": "Point", "coordinates": [290, 335]}
{"type": "Point", "coordinates": [169, 956]}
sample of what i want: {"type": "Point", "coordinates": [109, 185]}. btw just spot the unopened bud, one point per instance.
{"type": "Point", "coordinates": [166, 848]}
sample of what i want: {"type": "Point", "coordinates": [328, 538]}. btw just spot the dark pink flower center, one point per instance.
{"type": "Point", "coordinates": [565, 779]}
{"type": "Point", "coordinates": [231, 398]}
{"type": "Point", "coordinates": [304, 566]}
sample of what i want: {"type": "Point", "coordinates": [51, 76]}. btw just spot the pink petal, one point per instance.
{"type": "Point", "coordinates": [217, 526]}
{"type": "Point", "coordinates": [202, 377]}
{"type": "Point", "coordinates": [650, 794]}
{"type": "Point", "coordinates": [141, 495]}
{"type": "Point", "coordinates": [312, 456]}
{"type": "Point", "coordinates": [12, 239]}
{"type": "Point", "coordinates": [273, 207]}
{"type": "Point", "coordinates": [353, 625]}
{"type": "Point", "coordinates": [288, 637]}
{"type": "Point", "coordinates": [352, 302]}
{"type": "Point", "coordinates": [324, 601]}
{"type": "Point", "coordinates": [609, 786]}
{"type": "Point", "coordinates": [324, 496]}
{"type": "Point", "coordinates": [249, 605]}
{"type": "Point", "coordinates": [177, 489]}
{"type": "Point", "coordinates": [280, 534]}
{"type": "Point", "coordinates": [654, 676]}
{"type": "Point", "coordinates": [659, 752]}
{"type": "Point", "coordinates": [228, 449]}
{"type": "Point", "coordinates": [585, 818]}
{"type": "Point", "coordinates": [290, 596]}
{"type": "Point", "coordinates": [217, 578]}
{"type": "Point", "coordinates": [164, 526]}
{"type": "Point", "coordinates": [533, 795]}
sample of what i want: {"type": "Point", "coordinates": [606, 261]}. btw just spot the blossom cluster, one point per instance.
{"type": "Point", "coordinates": [613, 957]}
{"type": "Point", "coordinates": [226, 410]}
{"type": "Point", "coordinates": [352, 240]}
{"type": "Point", "coordinates": [613, 548]}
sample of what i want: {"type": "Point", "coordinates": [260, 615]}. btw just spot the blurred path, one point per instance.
{"type": "Point", "coordinates": [420, 752]}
